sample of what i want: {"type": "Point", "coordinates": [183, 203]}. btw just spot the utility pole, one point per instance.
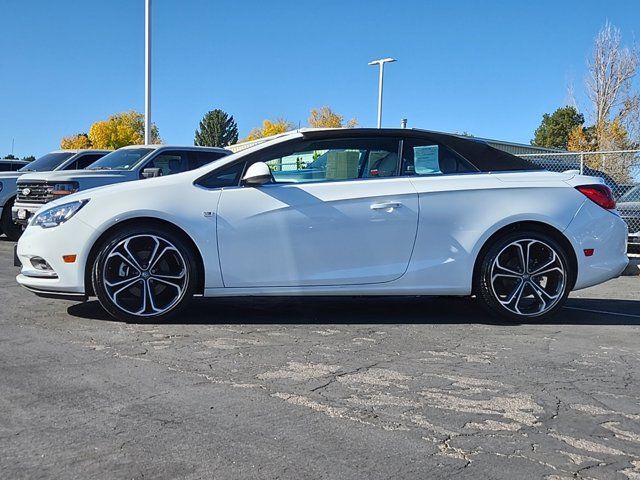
{"type": "Point", "coordinates": [381, 63]}
{"type": "Point", "coordinates": [147, 72]}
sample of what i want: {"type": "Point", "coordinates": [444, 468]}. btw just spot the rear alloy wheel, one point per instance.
{"type": "Point", "coordinates": [144, 274]}
{"type": "Point", "coordinates": [12, 230]}
{"type": "Point", "coordinates": [524, 276]}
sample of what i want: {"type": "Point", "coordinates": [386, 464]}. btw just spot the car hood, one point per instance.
{"type": "Point", "coordinates": [74, 175]}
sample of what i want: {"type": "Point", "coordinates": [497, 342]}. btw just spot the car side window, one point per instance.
{"type": "Point", "coordinates": [224, 177]}
{"type": "Point", "coordinates": [86, 160]}
{"type": "Point", "coordinates": [332, 160]}
{"type": "Point", "coordinates": [5, 166]}
{"type": "Point", "coordinates": [170, 162]}
{"type": "Point", "coordinates": [199, 159]}
{"type": "Point", "coordinates": [425, 157]}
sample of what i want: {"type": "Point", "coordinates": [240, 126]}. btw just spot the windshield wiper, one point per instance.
{"type": "Point", "coordinates": [100, 168]}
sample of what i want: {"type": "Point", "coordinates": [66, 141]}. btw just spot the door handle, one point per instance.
{"type": "Point", "coordinates": [389, 206]}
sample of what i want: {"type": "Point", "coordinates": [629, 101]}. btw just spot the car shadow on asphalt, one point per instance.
{"type": "Point", "coordinates": [372, 310]}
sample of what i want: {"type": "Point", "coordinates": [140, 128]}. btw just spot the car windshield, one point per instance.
{"type": "Point", "coordinates": [123, 159]}
{"type": "Point", "coordinates": [47, 162]}
{"type": "Point", "coordinates": [632, 195]}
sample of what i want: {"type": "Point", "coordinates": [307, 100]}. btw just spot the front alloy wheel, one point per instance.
{"type": "Point", "coordinates": [144, 274]}
{"type": "Point", "coordinates": [524, 276]}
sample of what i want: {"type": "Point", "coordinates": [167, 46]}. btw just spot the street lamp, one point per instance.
{"type": "Point", "coordinates": [147, 72]}
{"type": "Point", "coordinates": [381, 62]}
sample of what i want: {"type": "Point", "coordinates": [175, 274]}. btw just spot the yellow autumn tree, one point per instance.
{"type": "Point", "coordinates": [578, 140]}
{"type": "Point", "coordinates": [120, 130]}
{"type": "Point", "coordinates": [607, 136]}
{"type": "Point", "coordinates": [612, 136]}
{"type": "Point", "coordinates": [324, 117]}
{"type": "Point", "coordinates": [74, 142]}
{"type": "Point", "coordinates": [268, 128]}
{"type": "Point", "coordinates": [604, 136]}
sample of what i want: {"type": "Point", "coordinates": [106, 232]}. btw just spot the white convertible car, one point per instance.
{"type": "Point", "coordinates": [333, 212]}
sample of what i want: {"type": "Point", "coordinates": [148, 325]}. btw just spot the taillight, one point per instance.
{"type": "Point", "coordinates": [599, 194]}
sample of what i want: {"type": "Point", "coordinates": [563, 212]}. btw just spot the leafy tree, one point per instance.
{"type": "Point", "coordinates": [10, 156]}
{"type": "Point", "coordinates": [120, 130]}
{"type": "Point", "coordinates": [270, 128]}
{"type": "Point", "coordinates": [77, 141]}
{"type": "Point", "coordinates": [217, 129]}
{"type": "Point", "coordinates": [555, 129]}
{"type": "Point", "coordinates": [324, 117]}
{"type": "Point", "coordinates": [606, 136]}
{"type": "Point", "coordinates": [29, 158]}
{"type": "Point", "coordinates": [582, 139]}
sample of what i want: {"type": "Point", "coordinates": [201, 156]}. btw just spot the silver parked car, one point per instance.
{"type": "Point", "coordinates": [629, 208]}
{"type": "Point", "coordinates": [57, 160]}
{"type": "Point", "coordinates": [123, 165]}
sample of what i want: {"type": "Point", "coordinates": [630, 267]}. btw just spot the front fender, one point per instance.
{"type": "Point", "coordinates": [202, 232]}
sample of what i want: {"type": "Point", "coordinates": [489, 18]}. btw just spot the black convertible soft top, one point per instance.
{"type": "Point", "coordinates": [481, 155]}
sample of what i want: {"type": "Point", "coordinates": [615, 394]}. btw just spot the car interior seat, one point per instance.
{"type": "Point", "coordinates": [175, 165]}
{"type": "Point", "coordinates": [386, 166]}
{"type": "Point", "coordinates": [448, 164]}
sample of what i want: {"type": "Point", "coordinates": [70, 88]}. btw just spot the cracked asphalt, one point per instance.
{"type": "Point", "coordinates": [335, 388]}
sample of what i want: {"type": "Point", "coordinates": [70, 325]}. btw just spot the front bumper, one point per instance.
{"type": "Point", "coordinates": [76, 297]}
{"type": "Point", "coordinates": [71, 238]}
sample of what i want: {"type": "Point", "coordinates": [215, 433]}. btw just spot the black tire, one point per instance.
{"type": "Point", "coordinates": [12, 230]}
{"type": "Point", "coordinates": [493, 283]}
{"type": "Point", "coordinates": [109, 265]}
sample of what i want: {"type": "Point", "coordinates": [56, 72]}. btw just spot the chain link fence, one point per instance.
{"type": "Point", "coordinates": [620, 170]}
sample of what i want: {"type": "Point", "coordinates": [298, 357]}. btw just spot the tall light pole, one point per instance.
{"type": "Point", "coordinates": [381, 63]}
{"type": "Point", "coordinates": [147, 72]}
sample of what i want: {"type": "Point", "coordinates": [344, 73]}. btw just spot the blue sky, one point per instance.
{"type": "Point", "coordinates": [491, 68]}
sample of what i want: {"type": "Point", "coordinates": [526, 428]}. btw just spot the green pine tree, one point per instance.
{"type": "Point", "coordinates": [217, 129]}
{"type": "Point", "coordinates": [554, 130]}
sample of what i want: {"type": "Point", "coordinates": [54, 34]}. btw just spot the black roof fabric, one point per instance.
{"type": "Point", "coordinates": [482, 156]}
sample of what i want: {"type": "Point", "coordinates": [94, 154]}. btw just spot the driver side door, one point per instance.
{"type": "Point", "coordinates": [335, 214]}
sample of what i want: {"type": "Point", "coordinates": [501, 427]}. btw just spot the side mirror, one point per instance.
{"type": "Point", "coordinates": [257, 174]}
{"type": "Point", "coordinates": [151, 172]}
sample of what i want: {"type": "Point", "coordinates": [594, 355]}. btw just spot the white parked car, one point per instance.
{"type": "Point", "coordinates": [333, 212]}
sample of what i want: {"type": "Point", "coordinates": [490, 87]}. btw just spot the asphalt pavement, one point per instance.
{"type": "Point", "coordinates": [331, 388]}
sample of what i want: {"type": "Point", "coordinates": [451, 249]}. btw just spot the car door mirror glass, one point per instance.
{"type": "Point", "coordinates": [257, 174]}
{"type": "Point", "coordinates": [151, 172]}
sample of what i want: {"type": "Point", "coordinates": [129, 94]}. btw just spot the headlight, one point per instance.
{"type": "Point", "coordinates": [66, 188]}
{"type": "Point", "coordinates": [55, 216]}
